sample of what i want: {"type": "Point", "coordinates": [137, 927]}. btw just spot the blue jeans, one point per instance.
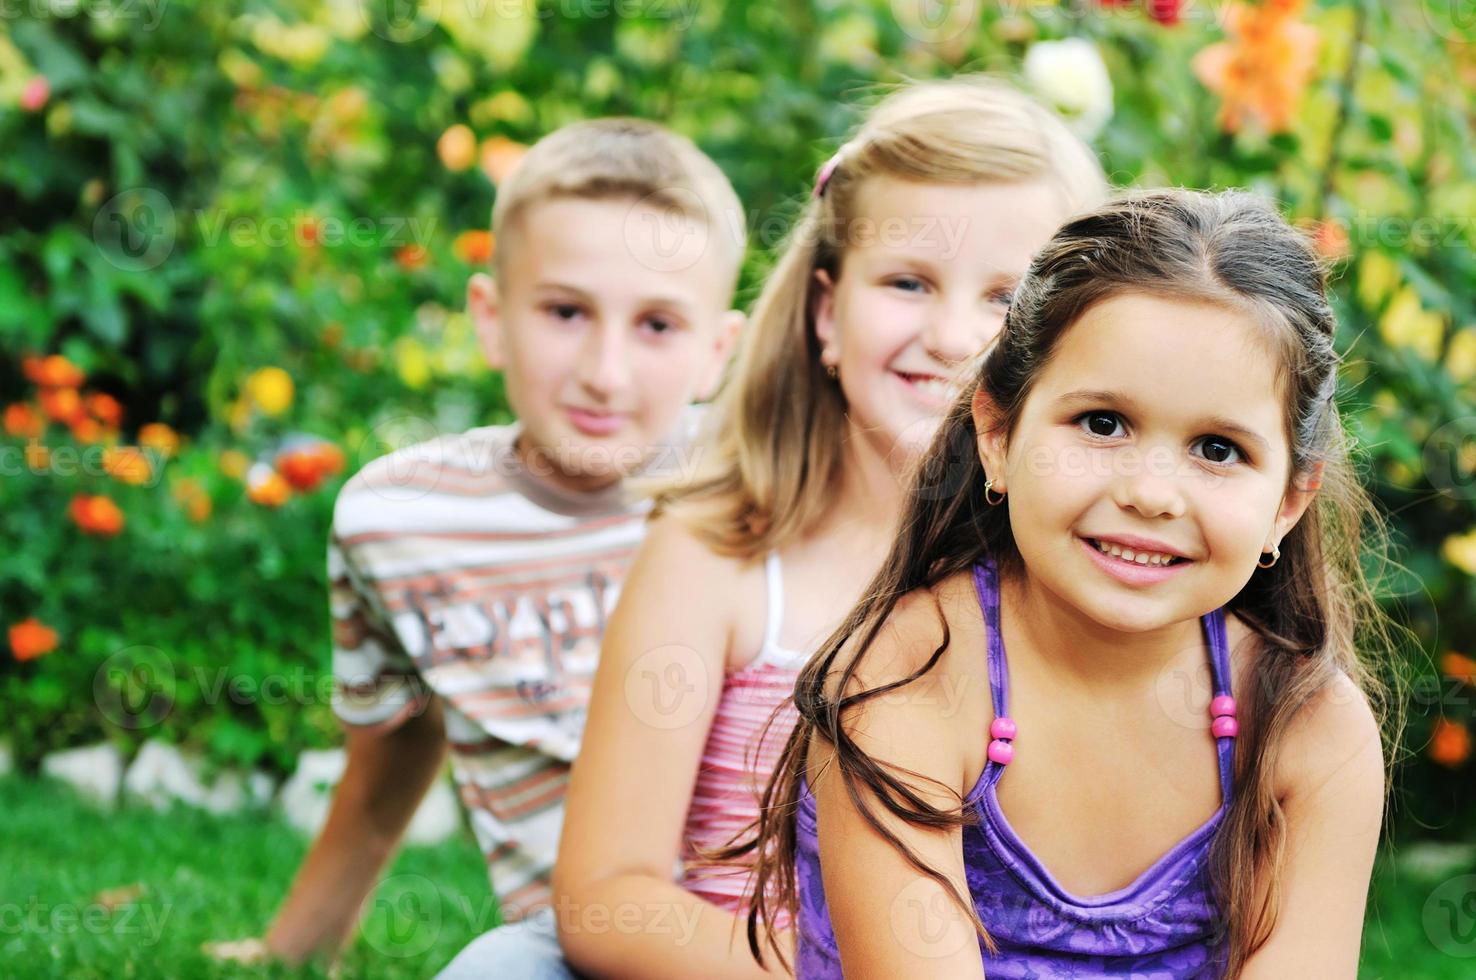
{"type": "Point", "coordinates": [526, 950]}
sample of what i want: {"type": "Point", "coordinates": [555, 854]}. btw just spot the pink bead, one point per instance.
{"type": "Point", "coordinates": [1001, 728]}
{"type": "Point", "coordinates": [1001, 752]}
{"type": "Point", "coordinates": [1224, 705]}
{"type": "Point", "coordinates": [1225, 727]}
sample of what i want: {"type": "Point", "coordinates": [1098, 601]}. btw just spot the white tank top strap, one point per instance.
{"type": "Point", "coordinates": [772, 652]}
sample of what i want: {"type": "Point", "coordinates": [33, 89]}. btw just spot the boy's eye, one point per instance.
{"type": "Point", "coordinates": [1220, 450]}
{"type": "Point", "coordinates": [659, 325]}
{"type": "Point", "coordinates": [908, 284]}
{"type": "Point", "coordinates": [1100, 423]}
{"type": "Point", "coordinates": [563, 311]}
{"type": "Point", "coordinates": [1003, 297]}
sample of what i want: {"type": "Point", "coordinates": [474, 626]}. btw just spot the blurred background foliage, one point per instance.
{"type": "Point", "coordinates": [234, 240]}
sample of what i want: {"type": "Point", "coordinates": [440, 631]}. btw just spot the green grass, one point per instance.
{"type": "Point", "coordinates": [195, 878]}
{"type": "Point", "coordinates": [203, 878]}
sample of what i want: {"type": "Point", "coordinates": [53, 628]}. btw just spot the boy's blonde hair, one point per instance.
{"type": "Point", "coordinates": [625, 158]}
{"type": "Point", "coordinates": [774, 454]}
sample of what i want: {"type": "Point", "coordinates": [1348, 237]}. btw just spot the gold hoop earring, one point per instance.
{"type": "Point", "coordinates": [1275, 557]}
{"type": "Point", "coordinates": [989, 486]}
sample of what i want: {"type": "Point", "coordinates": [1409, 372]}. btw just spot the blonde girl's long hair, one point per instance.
{"type": "Point", "coordinates": [772, 452]}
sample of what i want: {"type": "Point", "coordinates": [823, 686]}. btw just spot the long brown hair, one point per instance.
{"type": "Point", "coordinates": [1314, 611]}
{"type": "Point", "coordinates": [775, 435]}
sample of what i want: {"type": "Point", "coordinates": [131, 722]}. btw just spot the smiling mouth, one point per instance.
{"type": "Point", "coordinates": [931, 385]}
{"type": "Point", "coordinates": [1128, 556]}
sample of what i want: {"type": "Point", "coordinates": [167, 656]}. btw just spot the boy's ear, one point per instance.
{"type": "Point", "coordinates": [484, 305]}
{"type": "Point", "coordinates": [990, 438]}
{"type": "Point", "coordinates": [824, 309]}
{"type": "Point", "coordinates": [730, 325]}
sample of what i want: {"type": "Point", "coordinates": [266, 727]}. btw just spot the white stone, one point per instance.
{"type": "Point", "coordinates": [7, 759]}
{"type": "Point", "coordinates": [94, 771]}
{"type": "Point", "coordinates": [439, 815]}
{"type": "Point", "coordinates": [308, 793]}
{"type": "Point", "coordinates": [162, 774]}
{"type": "Point", "coordinates": [1436, 860]}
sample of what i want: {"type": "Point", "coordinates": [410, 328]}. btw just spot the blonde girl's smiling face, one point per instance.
{"type": "Point", "coordinates": [1156, 430]}
{"type": "Point", "coordinates": [926, 275]}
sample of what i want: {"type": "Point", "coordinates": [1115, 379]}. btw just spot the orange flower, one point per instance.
{"type": "Point", "coordinates": [160, 438]}
{"type": "Point", "coordinates": [127, 463]}
{"type": "Point", "coordinates": [457, 147]}
{"type": "Point", "coordinates": [105, 408]}
{"type": "Point", "coordinates": [96, 515]}
{"type": "Point", "coordinates": [38, 457]}
{"type": "Point", "coordinates": [54, 371]}
{"type": "Point", "coordinates": [1450, 743]}
{"type": "Point", "coordinates": [1459, 666]}
{"type": "Point", "coordinates": [305, 467]}
{"type": "Point", "coordinates": [1261, 72]}
{"type": "Point", "coordinates": [61, 404]}
{"type": "Point", "coordinates": [474, 247]}
{"type": "Point", "coordinates": [500, 156]}
{"type": "Point", "coordinates": [411, 257]}
{"type": "Point", "coordinates": [193, 498]}
{"type": "Point", "coordinates": [1329, 238]}
{"type": "Point", "coordinates": [86, 430]}
{"type": "Point", "coordinates": [21, 420]}
{"type": "Point", "coordinates": [31, 638]}
{"type": "Point", "coordinates": [266, 487]}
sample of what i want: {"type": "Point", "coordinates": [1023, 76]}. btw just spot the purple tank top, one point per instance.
{"type": "Point", "coordinates": [1163, 926]}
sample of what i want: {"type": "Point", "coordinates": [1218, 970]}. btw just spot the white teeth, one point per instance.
{"type": "Point", "coordinates": [1137, 557]}
{"type": "Point", "coordinates": [934, 387]}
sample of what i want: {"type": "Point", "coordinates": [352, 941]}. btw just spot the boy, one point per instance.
{"type": "Point", "coordinates": [471, 575]}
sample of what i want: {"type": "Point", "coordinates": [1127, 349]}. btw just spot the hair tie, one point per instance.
{"type": "Point", "coordinates": [827, 169]}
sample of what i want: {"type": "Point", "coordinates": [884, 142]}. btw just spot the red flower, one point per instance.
{"type": "Point", "coordinates": [96, 514]}
{"type": "Point", "coordinates": [34, 95]}
{"type": "Point", "coordinates": [1450, 743]}
{"type": "Point", "coordinates": [31, 638]}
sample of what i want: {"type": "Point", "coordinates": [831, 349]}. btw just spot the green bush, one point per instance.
{"type": "Point", "coordinates": [225, 188]}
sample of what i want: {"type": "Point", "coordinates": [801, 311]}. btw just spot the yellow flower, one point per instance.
{"type": "Point", "coordinates": [234, 463]}
{"type": "Point", "coordinates": [1460, 356]}
{"type": "Point", "coordinates": [127, 463]}
{"type": "Point", "coordinates": [1378, 274]}
{"type": "Point", "coordinates": [1406, 324]}
{"type": "Point", "coordinates": [270, 389]}
{"type": "Point", "coordinates": [1460, 551]}
{"type": "Point", "coordinates": [412, 362]}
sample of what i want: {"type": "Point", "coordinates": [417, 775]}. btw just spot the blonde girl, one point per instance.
{"type": "Point", "coordinates": [898, 273]}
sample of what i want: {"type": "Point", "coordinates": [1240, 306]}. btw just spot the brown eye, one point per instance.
{"type": "Point", "coordinates": [1100, 423]}
{"type": "Point", "coordinates": [1220, 450]}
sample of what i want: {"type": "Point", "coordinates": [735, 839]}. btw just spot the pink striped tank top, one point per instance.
{"type": "Point", "coordinates": [735, 764]}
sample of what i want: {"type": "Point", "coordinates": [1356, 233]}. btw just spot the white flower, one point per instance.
{"type": "Point", "coordinates": [1071, 75]}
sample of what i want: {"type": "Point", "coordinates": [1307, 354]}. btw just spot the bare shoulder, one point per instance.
{"type": "Point", "coordinates": [1334, 740]}
{"type": "Point", "coordinates": [904, 643]}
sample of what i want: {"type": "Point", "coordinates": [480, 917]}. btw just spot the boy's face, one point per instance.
{"type": "Point", "coordinates": [603, 332]}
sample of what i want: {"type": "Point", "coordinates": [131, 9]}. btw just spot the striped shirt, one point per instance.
{"type": "Point", "coordinates": [740, 756]}
{"type": "Point", "coordinates": [454, 571]}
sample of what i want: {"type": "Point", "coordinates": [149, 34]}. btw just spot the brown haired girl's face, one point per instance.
{"type": "Point", "coordinates": [1149, 467]}
{"type": "Point", "coordinates": [927, 274]}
